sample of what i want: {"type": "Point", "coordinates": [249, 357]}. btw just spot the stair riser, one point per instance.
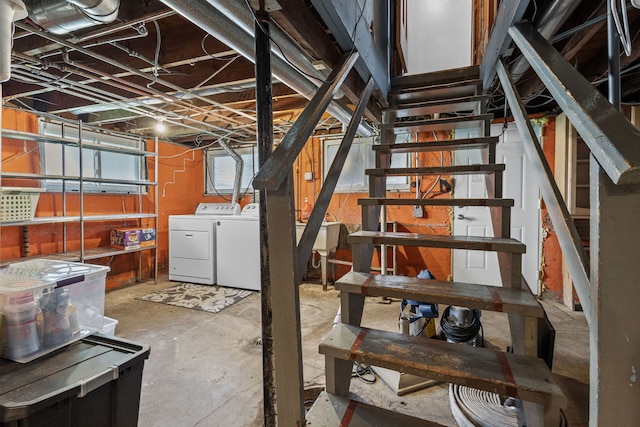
{"type": "Point", "coordinates": [435, 78]}
{"type": "Point", "coordinates": [390, 116]}
{"type": "Point", "coordinates": [436, 126]}
{"type": "Point", "coordinates": [434, 93]}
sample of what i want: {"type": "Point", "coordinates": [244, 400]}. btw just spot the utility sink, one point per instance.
{"type": "Point", "coordinates": [327, 239]}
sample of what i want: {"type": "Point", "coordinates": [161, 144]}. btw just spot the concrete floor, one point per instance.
{"type": "Point", "coordinates": [205, 369]}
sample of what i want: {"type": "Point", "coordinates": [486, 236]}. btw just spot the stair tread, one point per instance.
{"type": "Point", "coordinates": [445, 105]}
{"type": "Point", "coordinates": [433, 92]}
{"type": "Point", "coordinates": [443, 76]}
{"type": "Point", "coordinates": [443, 123]}
{"type": "Point", "coordinates": [483, 297]}
{"type": "Point", "coordinates": [330, 410]}
{"type": "Point", "coordinates": [451, 144]}
{"type": "Point", "coordinates": [379, 201]}
{"type": "Point", "coordinates": [431, 86]}
{"type": "Point", "coordinates": [495, 244]}
{"type": "Point", "coordinates": [438, 170]}
{"type": "Point", "coordinates": [513, 375]}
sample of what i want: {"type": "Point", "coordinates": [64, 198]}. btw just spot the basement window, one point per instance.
{"type": "Point", "coordinates": [221, 171]}
{"type": "Point", "coordinates": [361, 157]}
{"type": "Point", "coordinates": [64, 160]}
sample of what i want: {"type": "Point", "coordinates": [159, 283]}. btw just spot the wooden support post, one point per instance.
{"type": "Point", "coordinates": [615, 294]}
{"type": "Point", "coordinates": [264, 124]}
{"type": "Point", "coordinates": [287, 341]}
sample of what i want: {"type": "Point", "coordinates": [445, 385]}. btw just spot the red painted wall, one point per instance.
{"type": "Point", "coordinates": [181, 189]}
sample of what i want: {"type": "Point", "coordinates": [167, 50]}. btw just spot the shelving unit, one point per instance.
{"type": "Point", "coordinates": [143, 187]}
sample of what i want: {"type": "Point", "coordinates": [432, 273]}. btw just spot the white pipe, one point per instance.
{"type": "Point", "coordinates": [10, 10]}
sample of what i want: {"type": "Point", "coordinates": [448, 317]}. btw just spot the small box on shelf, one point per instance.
{"type": "Point", "coordinates": [47, 304]}
{"type": "Point", "coordinates": [147, 237]}
{"type": "Point", "coordinates": [126, 238]}
{"type": "Point", "coordinates": [133, 238]}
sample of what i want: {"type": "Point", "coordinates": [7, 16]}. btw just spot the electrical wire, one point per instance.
{"type": "Point", "coordinates": [156, 56]}
{"type": "Point", "coordinates": [364, 373]}
{"type": "Point", "coordinates": [212, 55]}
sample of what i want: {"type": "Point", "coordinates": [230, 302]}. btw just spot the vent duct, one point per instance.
{"type": "Point", "coordinates": [65, 16]}
{"type": "Point", "coordinates": [10, 10]}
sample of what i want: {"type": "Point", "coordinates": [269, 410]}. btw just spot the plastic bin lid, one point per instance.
{"type": "Point", "coordinates": [15, 280]}
{"type": "Point", "coordinates": [61, 273]}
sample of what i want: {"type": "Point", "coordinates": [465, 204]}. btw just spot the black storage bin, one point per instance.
{"type": "Point", "coordinates": [93, 382]}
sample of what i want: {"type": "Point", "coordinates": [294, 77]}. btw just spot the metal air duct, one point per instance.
{"type": "Point", "coordinates": [548, 24]}
{"type": "Point", "coordinates": [217, 24]}
{"type": "Point", "coordinates": [65, 16]}
{"type": "Point", "coordinates": [10, 10]}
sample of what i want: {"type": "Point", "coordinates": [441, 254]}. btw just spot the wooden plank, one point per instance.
{"type": "Point", "coordinates": [287, 341]}
{"type": "Point", "coordinates": [496, 244]}
{"type": "Point", "coordinates": [447, 105]}
{"type": "Point", "coordinates": [443, 123]}
{"type": "Point", "coordinates": [523, 377]}
{"type": "Point", "coordinates": [331, 410]}
{"type": "Point", "coordinates": [454, 144]}
{"type": "Point", "coordinates": [376, 201]}
{"type": "Point", "coordinates": [438, 170]}
{"type": "Point", "coordinates": [434, 78]}
{"type": "Point", "coordinates": [491, 298]}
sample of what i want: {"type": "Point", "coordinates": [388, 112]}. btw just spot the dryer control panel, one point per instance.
{"type": "Point", "coordinates": [218, 209]}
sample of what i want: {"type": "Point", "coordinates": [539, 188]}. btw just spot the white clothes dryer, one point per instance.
{"type": "Point", "coordinates": [192, 243]}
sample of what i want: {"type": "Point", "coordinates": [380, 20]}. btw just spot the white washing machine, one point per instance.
{"type": "Point", "coordinates": [238, 249]}
{"type": "Point", "coordinates": [192, 243]}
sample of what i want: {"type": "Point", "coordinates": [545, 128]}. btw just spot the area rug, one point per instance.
{"type": "Point", "coordinates": [198, 297]}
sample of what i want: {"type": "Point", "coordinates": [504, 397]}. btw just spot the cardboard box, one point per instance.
{"type": "Point", "coordinates": [48, 304]}
{"type": "Point", "coordinates": [126, 238]}
{"type": "Point", "coordinates": [147, 237]}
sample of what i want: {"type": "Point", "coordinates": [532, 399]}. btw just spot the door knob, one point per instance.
{"type": "Point", "coordinates": [460, 216]}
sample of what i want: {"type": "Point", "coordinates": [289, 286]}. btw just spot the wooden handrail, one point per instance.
{"type": "Point", "coordinates": [568, 236]}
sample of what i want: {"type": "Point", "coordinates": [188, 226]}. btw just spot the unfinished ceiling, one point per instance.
{"type": "Point", "coordinates": [141, 62]}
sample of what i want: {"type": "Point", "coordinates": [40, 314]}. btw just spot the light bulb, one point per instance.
{"type": "Point", "coordinates": [160, 127]}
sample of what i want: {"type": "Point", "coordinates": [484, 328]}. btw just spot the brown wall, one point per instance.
{"type": "Point", "coordinates": [180, 190]}
{"type": "Point", "coordinates": [345, 209]}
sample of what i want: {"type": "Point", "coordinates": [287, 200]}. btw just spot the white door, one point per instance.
{"type": "Point", "coordinates": [519, 184]}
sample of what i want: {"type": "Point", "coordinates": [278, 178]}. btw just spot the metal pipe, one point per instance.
{"type": "Point", "coordinates": [239, 164]}
{"type": "Point", "coordinates": [10, 10]}
{"type": "Point", "coordinates": [146, 91]}
{"type": "Point", "coordinates": [286, 49]}
{"type": "Point", "coordinates": [210, 19]}
{"type": "Point", "coordinates": [583, 26]}
{"type": "Point", "coordinates": [95, 95]}
{"type": "Point", "coordinates": [66, 16]}
{"type": "Point", "coordinates": [122, 25]}
{"type": "Point", "coordinates": [548, 24]}
{"type": "Point", "coordinates": [132, 70]}
{"type": "Point", "coordinates": [613, 57]}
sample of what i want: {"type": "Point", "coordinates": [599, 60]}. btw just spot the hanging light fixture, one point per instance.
{"type": "Point", "coordinates": [160, 126]}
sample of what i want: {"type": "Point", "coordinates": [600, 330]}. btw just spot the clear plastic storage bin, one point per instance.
{"type": "Point", "coordinates": [47, 304]}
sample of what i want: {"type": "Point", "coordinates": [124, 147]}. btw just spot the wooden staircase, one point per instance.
{"type": "Point", "coordinates": [435, 102]}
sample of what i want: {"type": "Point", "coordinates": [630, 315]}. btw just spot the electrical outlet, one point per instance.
{"type": "Point", "coordinates": [418, 212]}
{"type": "Point", "coordinates": [308, 176]}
